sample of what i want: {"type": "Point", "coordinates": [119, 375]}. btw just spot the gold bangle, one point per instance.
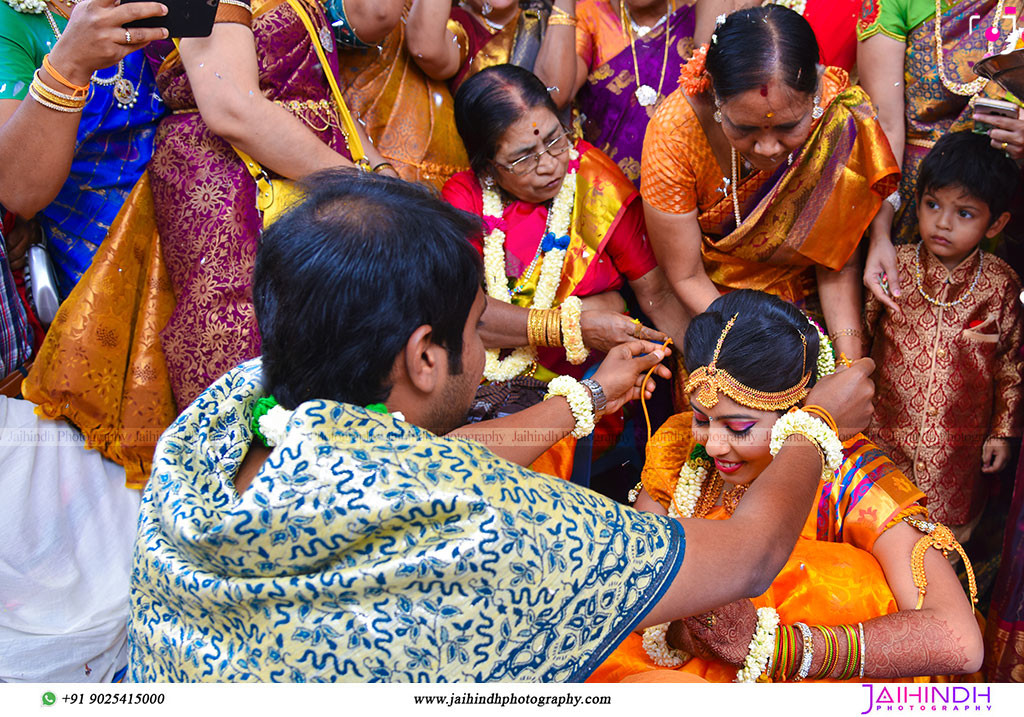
{"type": "Point", "coordinates": [569, 21]}
{"type": "Point", "coordinates": [846, 332]}
{"type": "Point", "coordinates": [559, 12]}
{"type": "Point", "coordinates": [77, 90]}
{"type": "Point", "coordinates": [534, 327]}
{"type": "Point", "coordinates": [377, 168]}
{"type": "Point", "coordinates": [554, 328]}
{"type": "Point", "coordinates": [553, 333]}
{"type": "Point", "coordinates": [56, 99]}
{"type": "Point", "coordinates": [49, 91]}
{"type": "Point", "coordinates": [34, 94]}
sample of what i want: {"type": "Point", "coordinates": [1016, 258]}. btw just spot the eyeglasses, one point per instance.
{"type": "Point", "coordinates": [525, 165]}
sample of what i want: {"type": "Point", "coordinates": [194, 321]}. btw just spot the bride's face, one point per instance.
{"type": "Point", "coordinates": [736, 437]}
{"type": "Point", "coordinates": [765, 125]}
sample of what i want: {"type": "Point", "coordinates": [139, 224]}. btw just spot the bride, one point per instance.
{"type": "Point", "coordinates": [856, 600]}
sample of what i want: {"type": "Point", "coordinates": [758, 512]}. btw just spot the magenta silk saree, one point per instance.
{"type": "Point", "coordinates": [206, 201]}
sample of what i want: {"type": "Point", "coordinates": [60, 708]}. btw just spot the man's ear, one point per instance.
{"type": "Point", "coordinates": [997, 226]}
{"type": "Point", "coordinates": [425, 362]}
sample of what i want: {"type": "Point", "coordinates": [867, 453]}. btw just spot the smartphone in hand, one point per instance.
{"type": "Point", "coordinates": [1000, 108]}
{"type": "Point", "coordinates": [184, 18]}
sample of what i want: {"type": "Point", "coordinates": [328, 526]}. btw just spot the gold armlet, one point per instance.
{"type": "Point", "coordinates": [940, 537]}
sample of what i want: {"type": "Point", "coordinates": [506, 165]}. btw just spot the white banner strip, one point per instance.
{"type": "Point", "coordinates": [631, 700]}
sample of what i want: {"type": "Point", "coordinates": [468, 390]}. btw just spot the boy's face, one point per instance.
{"type": "Point", "coordinates": [952, 222]}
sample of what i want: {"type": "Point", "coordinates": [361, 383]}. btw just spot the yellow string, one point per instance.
{"type": "Point", "coordinates": [643, 392]}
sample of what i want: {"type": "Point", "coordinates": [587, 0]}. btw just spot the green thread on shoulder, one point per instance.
{"type": "Point", "coordinates": [261, 409]}
{"type": "Point", "coordinates": [377, 408]}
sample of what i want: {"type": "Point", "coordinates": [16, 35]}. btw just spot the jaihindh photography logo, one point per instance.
{"type": "Point", "coordinates": [928, 698]}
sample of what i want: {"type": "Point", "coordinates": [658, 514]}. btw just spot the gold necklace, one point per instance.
{"type": "Point", "coordinates": [964, 89]}
{"type": "Point", "coordinates": [919, 280]}
{"type": "Point", "coordinates": [645, 94]}
{"type": "Point", "coordinates": [711, 490]}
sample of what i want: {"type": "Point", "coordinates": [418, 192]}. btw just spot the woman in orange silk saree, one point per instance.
{"type": "Point", "coordinates": [763, 172]}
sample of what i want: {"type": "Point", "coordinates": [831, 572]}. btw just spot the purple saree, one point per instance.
{"type": "Point", "coordinates": [613, 119]}
{"type": "Point", "coordinates": [206, 201]}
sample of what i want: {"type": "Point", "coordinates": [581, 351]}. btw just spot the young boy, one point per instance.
{"type": "Point", "coordinates": [949, 372]}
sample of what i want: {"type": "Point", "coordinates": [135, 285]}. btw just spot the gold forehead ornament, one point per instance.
{"type": "Point", "coordinates": [710, 380]}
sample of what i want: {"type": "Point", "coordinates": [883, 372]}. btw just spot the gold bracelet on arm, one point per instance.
{"type": "Point", "coordinates": [941, 538]}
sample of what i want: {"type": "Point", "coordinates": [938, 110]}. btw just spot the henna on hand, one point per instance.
{"type": "Point", "coordinates": [724, 633]}
{"type": "Point", "coordinates": [908, 644]}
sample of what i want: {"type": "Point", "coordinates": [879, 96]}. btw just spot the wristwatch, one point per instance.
{"type": "Point", "coordinates": [597, 396]}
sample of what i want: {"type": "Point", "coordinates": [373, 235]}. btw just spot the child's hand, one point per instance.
{"type": "Point", "coordinates": [995, 454]}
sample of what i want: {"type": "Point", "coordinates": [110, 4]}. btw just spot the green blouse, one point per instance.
{"type": "Point", "coordinates": [895, 18]}
{"type": "Point", "coordinates": [24, 40]}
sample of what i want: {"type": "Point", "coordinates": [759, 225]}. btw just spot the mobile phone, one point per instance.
{"type": "Point", "coordinates": [184, 18]}
{"type": "Point", "coordinates": [1000, 108]}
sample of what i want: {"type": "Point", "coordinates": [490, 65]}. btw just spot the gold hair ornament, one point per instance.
{"type": "Point", "coordinates": [711, 380]}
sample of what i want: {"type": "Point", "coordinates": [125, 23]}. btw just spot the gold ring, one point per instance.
{"type": "Point", "coordinates": [1005, 145]}
{"type": "Point", "coordinates": [638, 329]}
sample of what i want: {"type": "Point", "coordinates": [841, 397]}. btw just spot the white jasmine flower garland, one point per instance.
{"type": "Point", "coordinates": [579, 401]}
{"type": "Point", "coordinates": [691, 481]}
{"type": "Point", "coordinates": [496, 283]}
{"type": "Point", "coordinates": [812, 428]}
{"type": "Point", "coordinates": [274, 425]}
{"type": "Point", "coordinates": [761, 646]}
{"type": "Point", "coordinates": [29, 7]}
{"type": "Point", "coordinates": [657, 648]}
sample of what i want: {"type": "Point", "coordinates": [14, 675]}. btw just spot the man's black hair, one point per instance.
{"type": "Point", "coordinates": [344, 278]}
{"type": "Point", "coordinates": [969, 161]}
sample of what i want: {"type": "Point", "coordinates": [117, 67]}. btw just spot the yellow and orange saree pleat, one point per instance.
{"type": "Point", "coordinates": [102, 366]}
{"type": "Point", "coordinates": [816, 213]}
{"type": "Point", "coordinates": [409, 117]}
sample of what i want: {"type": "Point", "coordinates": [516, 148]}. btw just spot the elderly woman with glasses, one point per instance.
{"type": "Point", "coordinates": [560, 220]}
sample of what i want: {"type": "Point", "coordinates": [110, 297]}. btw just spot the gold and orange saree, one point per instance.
{"type": "Point", "coordinates": [831, 576]}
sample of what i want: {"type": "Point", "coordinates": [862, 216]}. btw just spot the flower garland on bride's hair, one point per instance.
{"type": "Point", "coordinates": [28, 7]}
{"type": "Point", "coordinates": [554, 243]}
{"type": "Point", "coordinates": [693, 76]}
{"type": "Point", "coordinates": [826, 354]}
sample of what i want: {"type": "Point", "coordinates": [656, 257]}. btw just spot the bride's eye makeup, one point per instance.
{"type": "Point", "coordinates": [740, 428]}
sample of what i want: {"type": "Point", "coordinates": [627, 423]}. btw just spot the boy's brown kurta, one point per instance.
{"type": "Point", "coordinates": [947, 378]}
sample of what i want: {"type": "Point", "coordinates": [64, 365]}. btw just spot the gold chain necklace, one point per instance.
{"type": "Point", "coordinates": [919, 280]}
{"type": "Point", "coordinates": [964, 89]}
{"type": "Point", "coordinates": [645, 94]}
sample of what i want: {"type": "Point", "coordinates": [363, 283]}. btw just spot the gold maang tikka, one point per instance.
{"type": "Point", "coordinates": [711, 380]}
